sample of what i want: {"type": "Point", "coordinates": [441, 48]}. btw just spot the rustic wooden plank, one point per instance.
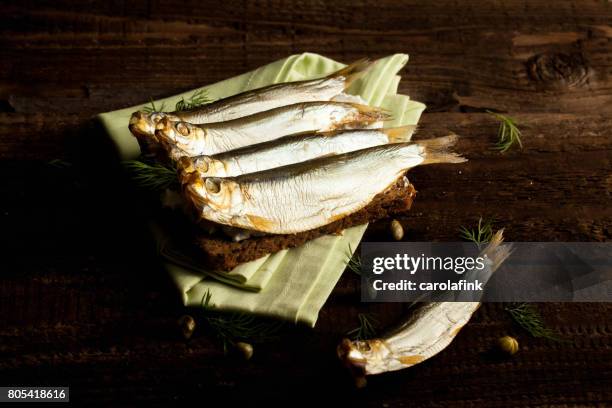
{"type": "Point", "coordinates": [83, 306]}
{"type": "Point", "coordinates": [102, 344]}
{"type": "Point", "coordinates": [38, 135]}
{"type": "Point", "coordinates": [499, 58]}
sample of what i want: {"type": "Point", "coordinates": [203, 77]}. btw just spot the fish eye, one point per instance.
{"type": "Point", "coordinates": [156, 117]}
{"type": "Point", "coordinates": [182, 128]}
{"type": "Point", "coordinates": [202, 165]}
{"type": "Point", "coordinates": [213, 186]}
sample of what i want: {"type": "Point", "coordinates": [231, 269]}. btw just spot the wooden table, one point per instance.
{"type": "Point", "coordinates": [83, 300]}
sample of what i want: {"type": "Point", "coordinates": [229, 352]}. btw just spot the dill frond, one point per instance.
{"type": "Point", "coordinates": [59, 163]}
{"type": "Point", "coordinates": [353, 261]}
{"type": "Point", "coordinates": [151, 176]}
{"type": "Point", "coordinates": [198, 99]}
{"type": "Point", "coordinates": [481, 235]}
{"type": "Point", "coordinates": [230, 328]}
{"type": "Point", "coordinates": [206, 301]}
{"type": "Point", "coordinates": [528, 318]}
{"type": "Point", "coordinates": [508, 133]}
{"type": "Point", "coordinates": [150, 108]}
{"type": "Point", "coordinates": [368, 327]}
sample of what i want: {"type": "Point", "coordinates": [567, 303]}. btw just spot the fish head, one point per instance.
{"type": "Point", "coordinates": [210, 167]}
{"type": "Point", "coordinates": [178, 133]}
{"type": "Point", "coordinates": [217, 199]}
{"type": "Point", "coordinates": [144, 123]}
{"type": "Point", "coordinates": [141, 124]}
{"type": "Point", "coordinates": [221, 194]}
{"type": "Point", "coordinates": [206, 166]}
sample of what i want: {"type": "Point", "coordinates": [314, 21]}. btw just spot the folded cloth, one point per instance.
{"type": "Point", "coordinates": [251, 276]}
{"type": "Point", "coordinates": [291, 284]}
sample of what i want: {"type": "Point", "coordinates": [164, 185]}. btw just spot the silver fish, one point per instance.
{"type": "Point", "coordinates": [142, 124]}
{"type": "Point", "coordinates": [290, 150]}
{"type": "Point", "coordinates": [427, 331]}
{"type": "Point", "coordinates": [185, 139]}
{"type": "Point", "coordinates": [314, 193]}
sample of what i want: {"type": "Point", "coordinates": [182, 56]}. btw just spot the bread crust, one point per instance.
{"type": "Point", "coordinates": [220, 253]}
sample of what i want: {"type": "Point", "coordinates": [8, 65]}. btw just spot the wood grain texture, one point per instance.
{"type": "Point", "coordinates": [84, 306]}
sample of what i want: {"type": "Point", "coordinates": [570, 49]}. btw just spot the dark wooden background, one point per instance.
{"type": "Point", "coordinates": [83, 301]}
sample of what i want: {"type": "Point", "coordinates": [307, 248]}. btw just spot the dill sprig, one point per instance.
{"type": "Point", "coordinates": [481, 235]}
{"type": "Point", "coordinates": [528, 318]}
{"type": "Point", "coordinates": [508, 133]}
{"type": "Point", "coordinates": [151, 176]}
{"type": "Point", "coordinates": [353, 261]}
{"type": "Point", "coordinates": [59, 163]}
{"type": "Point", "coordinates": [367, 329]}
{"type": "Point", "coordinates": [198, 99]}
{"type": "Point", "coordinates": [233, 327]}
{"type": "Point", "coordinates": [150, 108]}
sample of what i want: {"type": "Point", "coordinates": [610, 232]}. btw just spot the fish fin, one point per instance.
{"type": "Point", "coordinates": [401, 134]}
{"type": "Point", "coordinates": [260, 223]}
{"type": "Point", "coordinates": [409, 361]}
{"type": "Point", "coordinates": [437, 150]}
{"type": "Point", "coordinates": [370, 114]}
{"type": "Point", "coordinates": [352, 71]}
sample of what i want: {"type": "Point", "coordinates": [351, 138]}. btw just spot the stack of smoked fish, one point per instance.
{"type": "Point", "coordinates": [275, 167]}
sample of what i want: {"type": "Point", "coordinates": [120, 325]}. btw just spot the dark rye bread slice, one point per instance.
{"type": "Point", "coordinates": [222, 254]}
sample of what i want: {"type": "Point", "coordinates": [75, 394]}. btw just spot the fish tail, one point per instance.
{"type": "Point", "coordinates": [352, 72]}
{"type": "Point", "coordinates": [370, 114]}
{"type": "Point", "coordinates": [495, 251]}
{"type": "Point", "coordinates": [494, 254]}
{"type": "Point", "coordinates": [437, 150]}
{"type": "Point", "coordinates": [401, 134]}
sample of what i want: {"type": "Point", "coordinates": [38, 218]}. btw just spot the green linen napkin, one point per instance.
{"type": "Point", "coordinates": [291, 284]}
{"type": "Point", "coordinates": [251, 276]}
